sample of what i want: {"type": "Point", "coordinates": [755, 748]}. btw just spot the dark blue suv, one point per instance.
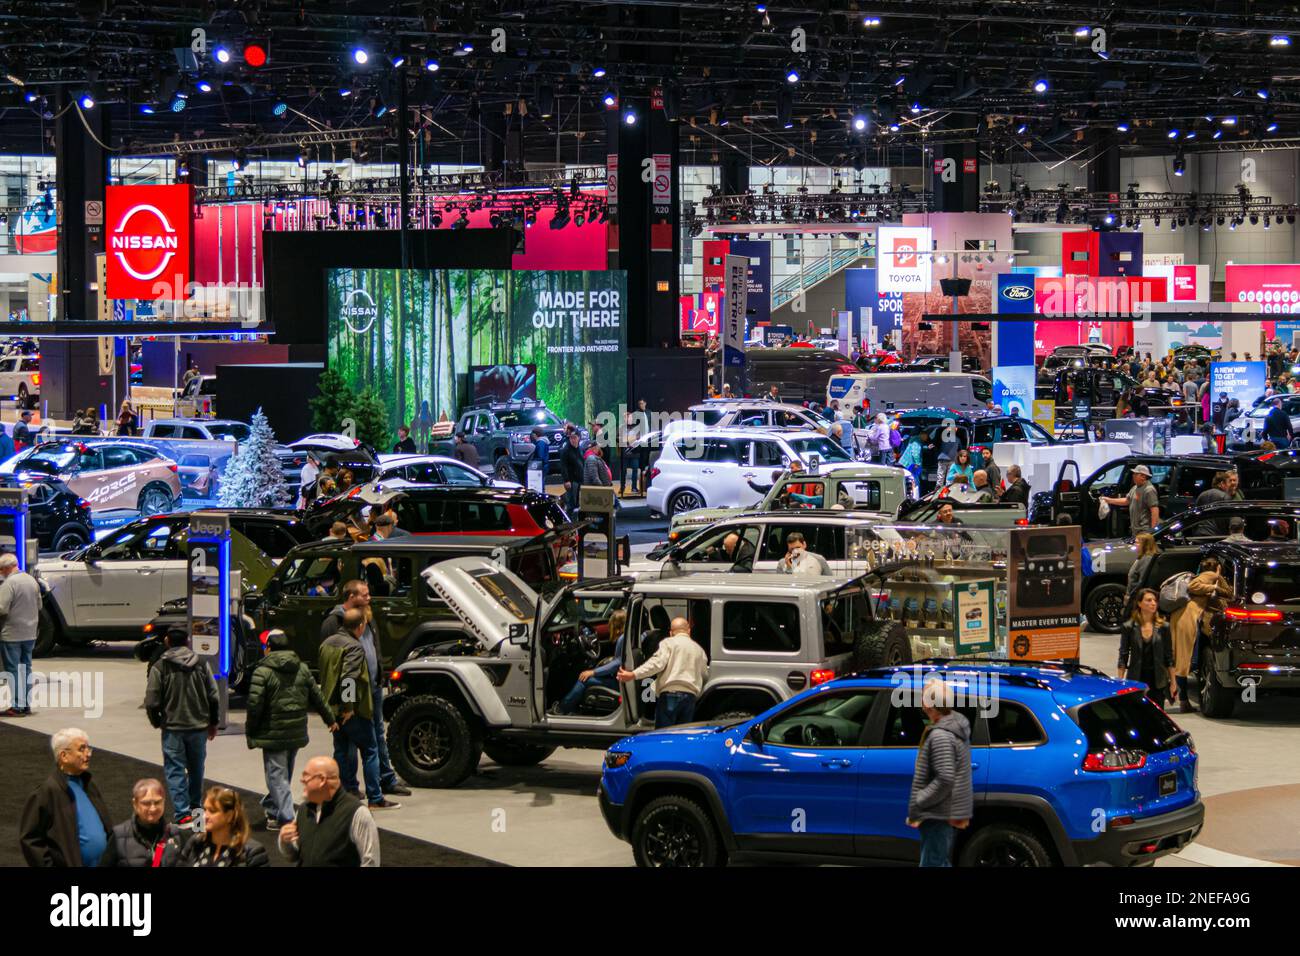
{"type": "Point", "coordinates": [1070, 767]}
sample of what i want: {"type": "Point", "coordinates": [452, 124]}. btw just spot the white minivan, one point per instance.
{"type": "Point", "coordinates": [896, 391]}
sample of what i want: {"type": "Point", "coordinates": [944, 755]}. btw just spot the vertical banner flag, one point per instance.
{"type": "Point", "coordinates": [759, 253]}
{"type": "Point", "coordinates": [903, 258]}
{"type": "Point", "coordinates": [733, 324]}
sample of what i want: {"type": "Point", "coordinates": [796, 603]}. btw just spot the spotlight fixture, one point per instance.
{"type": "Point", "coordinates": [178, 103]}
{"type": "Point", "coordinates": [1122, 126]}
{"type": "Point", "coordinates": [255, 54]}
{"type": "Point", "coordinates": [1229, 121]}
{"type": "Point", "coordinates": [431, 65]}
{"type": "Point", "coordinates": [1022, 129]}
{"type": "Point", "coordinates": [1271, 127]}
{"type": "Point", "coordinates": [1263, 92]}
{"type": "Point", "coordinates": [1279, 41]}
{"type": "Point", "coordinates": [87, 101]}
{"type": "Point", "coordinates": [598, 72]}
{"type": "Point", "coordinates": [1082, 32]}
{"type": "Point", "coordinates": [204, 86]}
{"type": "Point", "coordinates": [792, 75]}
{"type": "Point", "coordinates": [280, 108]}
{"type": "Point", "coordinates": [1217, 134]}
{"type": "Point", "coordinates": [610, 99]}
{"type": "Point", "coordinates": [871, 22]}
{"type": "Point", "coordinates": [221, 54]}
{"type": "Point", "coordinates": [1180, 162]}
{"type": "Point", "coordinates": [1254, 219]}
{"type": "Point", "coordinates": [302, 161]}
{"type": "Point", "coordinates": [629, 117]}
{"type": "Point", "coordinates": [1172, 134]}
{"type": "Point", "coordinates": [398, 61]}
{"type": "Point", "coordinates": [859, 122]}
{"type": "Point", "coordinates": [345, 91]}
{"type": "Point", "coordinates": [1041, 85]}
{"type": "Point", "coordinates": [148, 109]}
{"type": "Point", "coordinates": [360, 56]}
{"type": "Point", "coordinates": [435, 220]}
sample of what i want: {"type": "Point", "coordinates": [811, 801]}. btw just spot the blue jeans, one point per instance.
{"type": "Point", "coordinates": [387, 775]}
{"type": "Point", "coordinates": [277, 765]}
{"type": "Point", "coordinates": [569, 702]}
{"type": "Point", "coordinates": [936, 843]}
{"type": "Point", "coordinates": [674, 707]}
{"type": "Point", "coordinates": [571, 497]}
{"type": "Point", "coordinates": [184, 752]}
{"type": "Point", "coordinates": [18, 668]}
{"type": "Point", "coordinates": [358, 734]}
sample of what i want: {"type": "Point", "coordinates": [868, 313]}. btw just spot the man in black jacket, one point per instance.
{"type": "Point", "coordinates": [145, 840]}
{"type": "Point", "coordinates": [1017, 488]}
{"type": "Point", "coordinates": [332, 827]}
{"type": "Point", "coordinates": [571, 468]}
{"type": "Point", "coordinates": [65, 822]}
{"type": "Point", "coordinates": [181, 700]}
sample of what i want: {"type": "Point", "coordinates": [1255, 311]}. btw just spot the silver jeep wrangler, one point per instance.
{"type": "Point", "coordinates": [767, 637]}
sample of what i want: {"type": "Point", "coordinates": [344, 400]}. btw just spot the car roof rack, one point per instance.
{"type": "Point", "coordinates": [488, 401]}
{"type": "Point", "coordinates": [1070, 666]}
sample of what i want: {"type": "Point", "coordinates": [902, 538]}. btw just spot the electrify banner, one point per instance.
{"type": "Point", "coordinates": [150, 247]}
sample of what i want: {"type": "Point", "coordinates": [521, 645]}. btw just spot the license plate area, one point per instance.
{"type": "Point", "coordinates": [1168, 783]}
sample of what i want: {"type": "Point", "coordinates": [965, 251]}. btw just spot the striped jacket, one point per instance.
{"type": "Point", "coordinates": [941, 784]}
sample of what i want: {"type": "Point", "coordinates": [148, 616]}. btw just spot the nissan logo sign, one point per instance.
{"type": "Point", "coordinates": [158, 236]}
{"type": "Point", "coordinates": [1018, 293]}
{"type": "Point", "coordinates": [359, 309]}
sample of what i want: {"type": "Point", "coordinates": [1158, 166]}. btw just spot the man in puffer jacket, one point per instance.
{"type": "Point", "coordinates": [145, 840]}
{"type": "Point", "coordinates": [181, 700]}
{"type": "Point", "coordinates": [942, 799]}
{"type": "Point", "coordinates": [280, 693]}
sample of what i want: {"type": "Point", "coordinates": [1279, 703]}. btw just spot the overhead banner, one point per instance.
{"type": "Point", "coordinates": [903, 258]}
{"type": "Point", "coordinates": [412, 336]}
{"type": "Point", "coordinates": [149, 241]}
{"type": "Point", "coordinates": [733, 325]}
{"type": "Point", "coordinates": [1044, 578]}
{"type": "Point", "coordinates": [876, 316]}
{"type": "Point", "coordinates": [1274, 288]}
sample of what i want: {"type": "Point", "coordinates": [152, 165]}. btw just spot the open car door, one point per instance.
{"type": "Point", "coordinates": [1068, 498]}
{"type": "Point", "coordinates": [559, 619]}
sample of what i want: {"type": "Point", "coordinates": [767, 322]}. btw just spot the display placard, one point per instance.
{"type": "Point", "coordinates": [973, 617]}
{"type": "Point", "coordinates": [1044, 576]}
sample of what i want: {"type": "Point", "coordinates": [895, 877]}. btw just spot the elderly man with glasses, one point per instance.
{"type": "Point", "coordinates": [333, 828]}
{"type": "Point", "coordinates": [66, 822]}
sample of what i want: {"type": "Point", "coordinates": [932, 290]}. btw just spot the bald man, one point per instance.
{"type": "Point", "coordinates": [333, 828]}
{"type": "Point", "coordinates": [680, 668]}
{"type": "Point", "coordinates": [736, 550]}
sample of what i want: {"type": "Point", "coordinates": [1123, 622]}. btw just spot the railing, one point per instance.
{"type": "Point", "coordinates": [818, 270]}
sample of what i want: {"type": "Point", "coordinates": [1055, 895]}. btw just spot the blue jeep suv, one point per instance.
{"type": "Point", "coordinates": [1070, 767]}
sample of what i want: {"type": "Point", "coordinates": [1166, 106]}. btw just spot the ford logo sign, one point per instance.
{"type": "Point", "coordinates": [1018, 293]}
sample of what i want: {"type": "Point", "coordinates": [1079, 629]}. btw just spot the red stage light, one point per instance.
{"type": "Point", "coordinates": [255, 55]}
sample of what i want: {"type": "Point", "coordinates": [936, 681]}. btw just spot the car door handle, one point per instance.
{"type": "Point", "coordinates": [706, 471]}
{"type": "Point", "coordinates": [748, 474]}
{"type": "Point", "coordinates": [839, 762]}
{"type": "Point", "coordinates": [145, 570]}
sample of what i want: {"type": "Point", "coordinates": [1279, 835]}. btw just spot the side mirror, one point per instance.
{"type": "Point", "coordinates": [518, 634]}
{"type": "Point", "coordinates": [755, 735]}
{"type": "Point", "coordinates": [274, 591]}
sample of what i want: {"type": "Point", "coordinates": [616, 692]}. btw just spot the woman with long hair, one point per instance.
{"type": "Point", "coordinates": [127, 420]}
{"type": "Point", "coordinates": [1146, 651]}
{"type": "Point", "coordinates": [961, 471]}
{"type": "Point", "coordinates": [1205, 592]}
{"type": "Point", "coordinates": [225, 837]}
{"type": "Point", "coordinates": [1147, 549]}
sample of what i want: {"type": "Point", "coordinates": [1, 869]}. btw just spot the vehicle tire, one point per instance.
{"type": "Point", "coordinates": [47, 634]}
{"type": "Point", "coordinates": [1216, 698]}
{"type": "Point", "coordinates": [503, 470]}
{"type": "Point", "coordinates": [70, 537]}
{"type": "Point", "coordinates": [1104, 607]}
{"type": "Point", "coordinates": [882, 644]}
{"type": "Point", "coordinates": [683, 501]}
{"type": "Point", "coordinates": [1004, 844]}
{"type": "Point", "coordinates": [675, 831]}
{"type": "Point", "coordinates": [155, 499]}
{"type": "Point", "coordinates": [431, 743]}
{"type": "Point", "coordinates": [511, 754]}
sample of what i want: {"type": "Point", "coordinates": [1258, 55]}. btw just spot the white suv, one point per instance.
{"type": "Point", "coordinates": [747, 413]}
{"type": "Point", "coordinates": [715, 468]}
{"type": "Point", "coordinates": [20, 379]}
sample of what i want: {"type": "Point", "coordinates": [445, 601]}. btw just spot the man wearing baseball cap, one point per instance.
{"type": "Point", "coordinates": [1143, 502]}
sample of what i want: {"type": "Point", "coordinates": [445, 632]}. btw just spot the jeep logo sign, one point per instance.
{"type": "Point", "coordinates": [903, 259]}
{"type": "Point", "coordinates": [150, 231]}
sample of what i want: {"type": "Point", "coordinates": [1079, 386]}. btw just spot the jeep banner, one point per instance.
{"type": "Point", "coordinates": [1044, 581]}
{"type": "Point", "coordinates": [412, 336]}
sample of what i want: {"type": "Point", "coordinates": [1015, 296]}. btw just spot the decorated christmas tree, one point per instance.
{"type": "Point", "coordinates": [369, 415]}
{"type": "Point", "coordinates": [253, 478]}
{"type": "Point", "coordinates": [332, 403]}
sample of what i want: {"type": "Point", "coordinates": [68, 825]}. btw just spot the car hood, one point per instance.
{"type": "Point", "coordinates": [700, 729]}
{"type": "Point", "coordinates": [486, 596]}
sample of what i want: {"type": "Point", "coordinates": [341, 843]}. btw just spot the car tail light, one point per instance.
{"type": "Point", "coordinates": [36, 378]}
{"type": "Point", "coordinates": [1104, 761]}
{"type": "Point", "coordinates": [173, 469]}
{"type": "Point", "coordinates": [1022, 522]}
{"type": "Point", "coordinates": [1121, 822]}
{"type": "Point", "coordinates": [1253, 615]}
{"type": "Point", "coordinates": [651, 475]}
{"type": "Point", "coordinates": [820, 677]}
{"type": "Point", "coordinates": [395, 676]}
{"type": "Point", "coordinates": [849, 369]}
{"type": "Point", "coordinates": [148, 628]}
{"type": "Point", "coordinates": [1148, 847]}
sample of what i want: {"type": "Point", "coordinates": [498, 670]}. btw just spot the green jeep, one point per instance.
{"type": "Point", "coordinates": [308, 583]}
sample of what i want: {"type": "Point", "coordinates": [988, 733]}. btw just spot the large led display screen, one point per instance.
{"type": "Point", "coordinates": [413, 336]}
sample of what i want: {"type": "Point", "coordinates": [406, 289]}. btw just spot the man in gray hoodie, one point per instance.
{"type": "Point", "coordinates": [942, 799]}
{"type": "Point", "coordinates": [181, 700]}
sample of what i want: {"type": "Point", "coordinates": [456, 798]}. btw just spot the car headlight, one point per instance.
{"type": "Point", "coordinates": [616, 758]}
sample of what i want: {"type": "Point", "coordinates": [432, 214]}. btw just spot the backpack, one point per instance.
{"type": "Point", "coordinates": [1173, 592]}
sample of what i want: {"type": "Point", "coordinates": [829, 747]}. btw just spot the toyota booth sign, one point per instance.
{"type": "Point", "coordinates": [904, 256]}
{"type": "Point", "coordinates": [150, 247]}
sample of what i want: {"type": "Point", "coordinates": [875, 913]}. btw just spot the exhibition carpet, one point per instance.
{"type": "Point", "coordinates": [25, 755]}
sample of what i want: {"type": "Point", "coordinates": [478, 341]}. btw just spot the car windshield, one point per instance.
{"type": "Point", "coordinates": [233, 431]}
{"type": "Point", "coordinates": [62, 457]}
{"type": "Point", "coordinates": [707, 416]}
{"type": "Point", "coordinates": [818, 445]}
{"type": "Point", "coordinates": [1273, 586]}
{"type": "Point", "coordinates": [524, 417]}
